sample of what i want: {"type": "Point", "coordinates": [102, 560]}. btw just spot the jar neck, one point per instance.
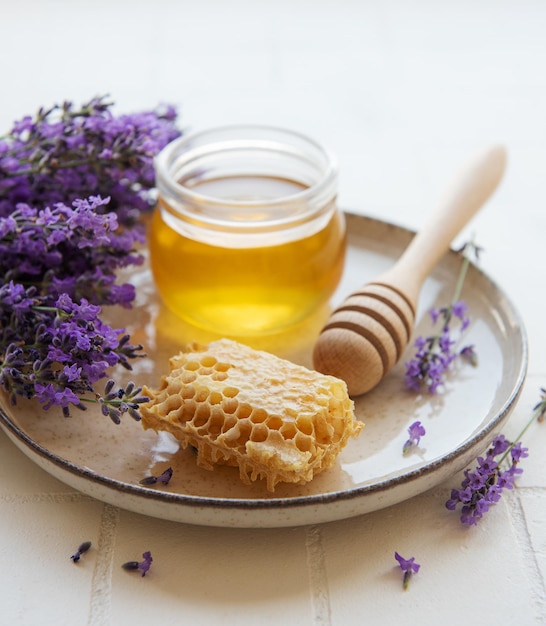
{"type": "Point", "coordinates": [246, 183]}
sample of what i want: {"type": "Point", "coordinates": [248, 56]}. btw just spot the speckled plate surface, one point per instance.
{"type": "Point", "coordinates": [91, 454]}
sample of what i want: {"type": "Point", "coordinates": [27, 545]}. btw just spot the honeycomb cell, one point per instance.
{"type": "Point", "coordinates": [215, 423]}
{"type": "Point", "coordinates": [229, 423]}
{"type": "Point", "coordinates": [173, 403]}
{"type": "Point", "coordinates": [258, 416]}
{"type": "Point", "coordinates": [188, 408]}
{"type": "Point", "coordinates": [305, 425]}
{"type": "Point", "coordinates": [201, 394]}
{"type": "Point", "coordinates": [288, 430]}
{"type": "Point", "coordinates": [275, 422]}
{"type": "Point", "coordinates": [215, 397]}
{"type": "Point", "coordinates": [222, 367]}
{"type": "Point", "coordinates": [188, 377]}
{"type": "Point", "coordinates": [244, 429]}
{"type": "Point", "coordinates": [201, 415]}
{"type": "Point", "coordinates": [260, 432]}
{"type": "Point", "coordinates": [230, 405]}
{"type": "Point", "coordinates": [187, 392]}
{"type": "Point", "coordinates": [244, 410]}
{"type": "Point", "coordinates": [303, 443]}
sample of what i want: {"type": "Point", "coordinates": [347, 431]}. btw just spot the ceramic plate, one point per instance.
{"type": "Point", "coordinates": [91, 454]}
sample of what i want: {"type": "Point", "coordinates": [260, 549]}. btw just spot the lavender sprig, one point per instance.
{"type": "Point", "coordinates": [70, 250]}
{"type": "Point", "coordinates": [65, 152]}
{"type": "Point", "coordinates": [483, 486]}
{"type": "Point", "coordinates": [116, 402]}
{"type": "Point", "coordinates": [56, 350]}
{"type": "Point", "coordinates": [73, 184]}
{"type": "Point", "coordinates": [436, 353]}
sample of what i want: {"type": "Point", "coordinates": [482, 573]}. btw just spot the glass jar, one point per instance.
{"type": "Point", "coordinates": [246, 238]}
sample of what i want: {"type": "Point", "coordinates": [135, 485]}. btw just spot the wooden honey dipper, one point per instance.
{"type": "Point", "coordinates": [367, 334]}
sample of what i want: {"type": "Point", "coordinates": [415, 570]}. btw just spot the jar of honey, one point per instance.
{"type": "Point", "coordinates": [246, 238]}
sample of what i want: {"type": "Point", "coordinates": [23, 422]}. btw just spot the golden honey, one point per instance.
{"type": "Point", "coordinates": [243, 242]}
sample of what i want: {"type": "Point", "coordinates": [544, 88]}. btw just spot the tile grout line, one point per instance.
{"type": "Point", "coordinates": [318, 581]}
{"type": "Point", "coordinates": [538, 588]}
{"type": "Point", "coordinates": [101, 583]}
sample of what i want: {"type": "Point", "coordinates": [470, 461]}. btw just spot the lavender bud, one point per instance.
{"type": "Point", "coordinates": [83, 548]}
{"type": "Point", "coordinates": [148, 480]}
{"type": "Point", "coordinates": [135, 414]}
{"type": "Point", "coordinates": [114, 415]}
{"type": "Point", "coordinates": [131, 566]}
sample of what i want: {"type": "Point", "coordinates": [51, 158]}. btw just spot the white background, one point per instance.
{"type": "Point", "coordinates": [403, 92]}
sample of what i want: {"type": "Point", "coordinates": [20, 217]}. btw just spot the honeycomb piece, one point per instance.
{"type": "Point", "coordinates": [238, 406]}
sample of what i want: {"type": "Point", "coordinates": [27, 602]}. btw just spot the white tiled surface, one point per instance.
{"type": "Point", "coordinates": [403, 92]}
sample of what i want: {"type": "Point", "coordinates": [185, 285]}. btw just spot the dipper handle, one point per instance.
{"type": "Point", "coordinates": [466, 195]}
{"type": "Point", "coordinates": [367, 334]}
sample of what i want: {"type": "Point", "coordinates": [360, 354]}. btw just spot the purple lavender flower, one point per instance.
{"type": "Point", "coordinates": [65, 153]}
{"type": "Point", "coordinates": [52, 320]}
{"type": "Point", "coordinates": [146, 563]}
{"type": "Point", "coordinates": [483, 486]}
{"type": "Point", "coordinates": [518, 452]}
{"type": "Point", "coordinates": [434, 315]}
{"type": "Point", "coordinates": [408, 566]}
{"type": "Point", "coordinates": [70, 250]}
{"type": "Point", "coordinates": [435, 354]}
{"type": "Point", "coordinates": [468, 354]}
{"type": "Point", "coordinates": [415, 432]}
{"type": "Point", "coordinates": [50, 394]}
{"type": "Point", "coordinates": [459, 309]}
{"type": "Point", "coordinates": [142, 566]}
{"type": "Point", "coordinates": [499, 445]}
{"type": "Point", "coordinates": [73, 186]}
{"type": "Point", "coordinates": [163, 478]}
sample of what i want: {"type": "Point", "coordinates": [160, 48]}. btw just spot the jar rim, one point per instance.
{"type": "Point", "coordinates": [168, 155]}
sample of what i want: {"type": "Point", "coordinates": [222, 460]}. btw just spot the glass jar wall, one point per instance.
{"type": "Point", "coordinates": [246, 238]}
